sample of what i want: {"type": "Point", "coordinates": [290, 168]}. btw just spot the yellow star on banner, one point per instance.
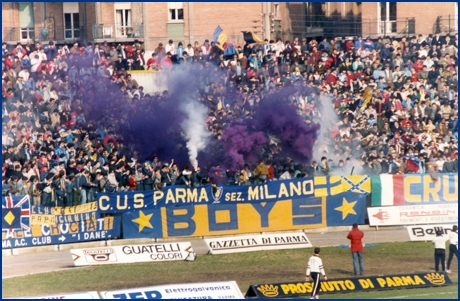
{"type": "Point", "coordinates": [346, 208]}
{"type": "Point", "coordinates": [143, 220]}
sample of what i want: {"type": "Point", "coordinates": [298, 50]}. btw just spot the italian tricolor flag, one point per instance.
{"type": "Point", "coordinates": [387, 190]}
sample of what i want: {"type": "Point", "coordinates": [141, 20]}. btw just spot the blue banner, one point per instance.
{"type": "Point", "coordinates": [82, 231]}
{"type": "Point", "coordinates": [182, 195]}
{"type": "Point", "coordinates": [422, 190]}
{"type": "Point", "coordinates": [300, 288]}
{"type": "Point", "coordinates": [231, 218]}
{"type": "Point", "coordinates": [143, 223]}
{"type": "Point", "coordinates": [345, 209]}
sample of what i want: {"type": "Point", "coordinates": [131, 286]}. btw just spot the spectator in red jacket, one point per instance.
{"type": "Point", "coordinates": [357, 248]}
{"type": "Point", "coordinates": [9, 62]}
{"type": "Point", "coordinates": [166, 63]}
{"type": "Point", "coordinates": [152, 63]}
{"type": "Point", "coordinates": [332, 77]}
{"type": "Point", "coordinates": [19, 51]}
{"type": "Point", "coordinates": [271, 171]}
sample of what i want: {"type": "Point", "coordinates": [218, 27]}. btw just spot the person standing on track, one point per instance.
{"type": "Point", "coordinates": [355, 236]}
{"type": "Point", "coordinates": [439, 251]}
{"type": "Point", "coordinates": [453, 246]}
{"type": "Point", "coordinates": [315, 267]}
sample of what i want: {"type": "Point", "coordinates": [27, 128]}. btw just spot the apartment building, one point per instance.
{"type": "Point", "coordinates": [154, 22]}
{"type": "Point", "coordinates": [58, 21]}
{"type": "Point", "coordinates": [151, 22]}
{"type": "Point", "coordinates": [402, 18]}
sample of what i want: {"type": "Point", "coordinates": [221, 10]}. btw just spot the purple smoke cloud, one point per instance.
{"type": "Point", "coordinates": [241, 145]}
{"type": "Point", "coordinates": [279, 118]}
{"type": "Point", "coordinates": [218, 175]}
{"type": "Point", "coordinates": [152, 126]}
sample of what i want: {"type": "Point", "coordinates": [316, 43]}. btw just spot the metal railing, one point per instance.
{"type": "Point", "coordinates": [10, 34]}
{"type": "Point", "coordinates": [116, 31]}
{"type": "Point", "coordinates": [337, 26]}
{"type": "Point", "coordinates": [42, 34]}
{"type": "Point", "coordinates": [61, 33]}
{"type": "Point", "coordinates": [445, 24]}
{"type": "Point", "coordinates": [18, 34]}
{"type": "Point", "coordinates": [409, 29]}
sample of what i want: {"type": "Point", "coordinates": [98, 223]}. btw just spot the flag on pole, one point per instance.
{"type": "Point", "coordinates": [229, 49]}
{"type": "Point", "coordinates": [250, 37]}
{"type": "Point", "coordinates": [220, 37]}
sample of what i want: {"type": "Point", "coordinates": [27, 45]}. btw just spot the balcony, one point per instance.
{"type": "Point", "coordinates": [445, 25]}
{"type": "Point", "coordinates": [117, 32]}
{"type": "Point", "coordinates": [59, 34]}
{"type": "Point", "coordinates": [65, 35]}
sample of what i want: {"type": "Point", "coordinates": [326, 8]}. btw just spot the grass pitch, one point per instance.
{"type": "Point", "coordinates": [245, 269]}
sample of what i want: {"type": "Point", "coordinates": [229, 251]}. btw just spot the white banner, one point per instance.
{"type": "Point", "coordinates": [83, 295]}
{"type": "Point", "coordinates": [427, 232]}
{"type": "Point", "coordinates": [133, 253]}
{"type": "Point", "coordinates": [209, 290]}
{"type": "Point", "coordinates": [257, 242]}
{"type": "Point", "coordinates": [151, 81]}
{"type": "Point", "coordinates": [413, 214]}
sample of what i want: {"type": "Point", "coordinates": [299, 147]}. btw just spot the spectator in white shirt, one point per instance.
{"type": "Point", "coordinates": [190, 51]}
{"type": "Point", "coordinates": [428, 62]}
{"type": "Point", "coordinates": [170, 48]}
{"type": "Point", "coordinates": [315, 269]}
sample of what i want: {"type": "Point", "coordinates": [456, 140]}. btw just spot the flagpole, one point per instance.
{"type": "Point", "coordinates": [11, 197]}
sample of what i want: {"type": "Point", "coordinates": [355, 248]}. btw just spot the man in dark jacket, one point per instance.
{"type": "Point", "coordinates": [433, 75]}
{"type": "Point", "coordinates": [148, 179]}
{"type": "Point", "coordinates": [165, 178]}
{"type": "Point", "coordinates": [356, 247]}
{"type": "Point", "coordinates": [449, 165]}
{"type": "Point", "coordinates": [313, 169]}
{"type": "Point", "coordinates": [86, 185]}
{"type": "Point", "coordinates": [385, 54]}
{"type": "Point", "coordinates": [51, 51]}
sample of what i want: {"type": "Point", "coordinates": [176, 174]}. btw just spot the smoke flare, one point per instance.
{"type": "Point", "coordinates": [197, 136]}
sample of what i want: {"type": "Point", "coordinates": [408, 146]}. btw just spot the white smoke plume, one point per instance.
{"type": "Point", "coordinates": [328, 121]}
{"type": "Point", "coordinates": [196, 134]}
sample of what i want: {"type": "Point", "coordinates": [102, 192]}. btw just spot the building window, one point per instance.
{"type": "Point", "coordinates": [277, 10]}
{"type": "Point", "coordinates": [123, 23]}
{"type": "Point", "coordinates": [72, 25]}
{"type": "Point", "coordinates": [71, 20]}
{"type": "Point", "coordinates": [387, 15]}
{"type": "Point", "coordinates": [26, 20]}
{"type": "Point", "coordinates": [176, 12]}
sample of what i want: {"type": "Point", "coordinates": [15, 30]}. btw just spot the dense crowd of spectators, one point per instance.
{"type": "Point", "coordinates": [395, 100]}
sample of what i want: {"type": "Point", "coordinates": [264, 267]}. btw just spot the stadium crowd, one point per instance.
{"type": "Point", "coordinates": [395, 100]}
